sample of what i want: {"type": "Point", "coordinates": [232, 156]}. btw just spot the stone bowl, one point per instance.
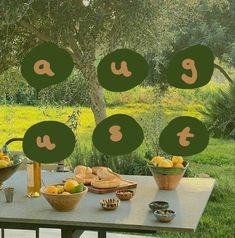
{"type": "Point", "coordinates": [63, 202]}
{"type": "Point", "coordinates": [158, 205]}
{"type": "Point", "coordinates": [164, 215]}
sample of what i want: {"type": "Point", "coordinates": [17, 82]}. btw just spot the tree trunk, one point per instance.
{"type": "Point", "coordinates": [96, 94]}
{"type": "Point", "coordinates": [85, 63]}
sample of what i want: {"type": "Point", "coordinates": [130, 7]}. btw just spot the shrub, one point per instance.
{"type": "Point", "coordinates": [138, 94]}
{"type": "Point", "coordinates": [220, 113]}
{"type": "Point", "coordinates": [133, 163]}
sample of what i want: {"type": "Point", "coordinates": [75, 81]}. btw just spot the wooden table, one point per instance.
{"type": "Point", "coordinates": [188, 201]}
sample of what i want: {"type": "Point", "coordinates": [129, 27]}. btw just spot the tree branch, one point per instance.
{"type": "Point", "coordinates": [223, 72]}
{"type": "Point", "coordinates": [41, 36]}
{"type": "Point", "coordinates": [35, 31]}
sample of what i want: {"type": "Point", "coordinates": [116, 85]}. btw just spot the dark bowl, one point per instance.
{"type": "Point", "coordinates": [163, 217]}
{"type": "Point", "coordinates": [158, 205]}
{"type": "Point", "coordinates": [6, 173]}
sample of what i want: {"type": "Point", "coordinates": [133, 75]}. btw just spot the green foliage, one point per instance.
{"type": "Point", "coordinates": [219, 152]}
{"type": "Point", "coordinates": [213, 28]}
{"type": "Point", "coordinates": [15, 89]}
{"type": "Point", "coordinates": [138, 94]}
{"type": "Point", "coordinates": [133, 163]}
{"type": "Point", "coordinates": [220, 113]}
{"type": "Point", "coordinates": [73, 91]}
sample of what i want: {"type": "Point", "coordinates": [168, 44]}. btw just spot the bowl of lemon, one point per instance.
{"type": "Point", "coordinates": [64, 197]}
{"type": "Point", "coordinates": [8, 166]}
{"type": "Point", "coordinates": [167, 172]}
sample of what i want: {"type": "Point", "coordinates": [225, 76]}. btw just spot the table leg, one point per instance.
{"type": "Point", "coordinates": [2, 233]}
{"type": "Point", "coordinates": [66, 233]}
{"type": "Point", "coordinates": [37, 232]}
{"type": "Point", "coordinates": [69, 233]}
{"type": "Point", "coordinates": [77, 233]}
{"type": "Point", "coordinates": [101, 234]}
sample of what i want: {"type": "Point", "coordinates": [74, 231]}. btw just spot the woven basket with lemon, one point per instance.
{"type": "Point", "coordinates": [64, 197]}
{"type": "Point", "coordinates": [8, 165]}
{"type": "Point", "coordinates": [167, 173]}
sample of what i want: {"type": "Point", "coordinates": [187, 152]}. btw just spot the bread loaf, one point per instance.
{"type": "Point", "coordinates": [105, 183]}
{"type": "Point", "coordinates": [98, 177]}
{"type": "Point", "coordinates": [84, 174]}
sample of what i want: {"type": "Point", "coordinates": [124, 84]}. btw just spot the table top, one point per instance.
{"type": "Point", "coordinates": [188, 201]}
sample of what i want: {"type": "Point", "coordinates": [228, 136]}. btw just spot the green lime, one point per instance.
{"type": "Point", "coordinates": [79, 188]}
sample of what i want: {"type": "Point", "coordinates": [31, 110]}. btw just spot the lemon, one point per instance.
{"type": "Point", "coordinates": [51, 189]}
{"type": "Point", "coordinates": [165, 163]}
{"type": "Point", "coordinates": [6, 158]}
{"type": "Point", "coordinates": [3, 164]}
{"type": "Point", "coordinates": [178, 166]}
{"type": "Point", "coordinates": [156, 160]}
{"type": "Point", "coordinates": [70, 185]}
{"type": "Point", "coordinates": [177, 159]}
{"type": "Point", "coordinates": [60, 189]}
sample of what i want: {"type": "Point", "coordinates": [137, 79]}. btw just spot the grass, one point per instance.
{"type": "Point", "coordinates": [15, 120]}
{"type": "Point", "coordinates": [218, 218]}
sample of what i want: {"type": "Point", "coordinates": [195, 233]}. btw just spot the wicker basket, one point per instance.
{"type": "Point", "coordinates": [168, 178]}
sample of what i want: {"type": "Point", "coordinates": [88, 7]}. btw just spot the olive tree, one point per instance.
{"type": "Point", "coordinates": [88, 29]}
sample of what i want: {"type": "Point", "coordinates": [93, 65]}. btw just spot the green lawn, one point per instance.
{"type": "Point", "coordinates": [15, 120]}
{"type": "Point", "coordinates": [218, 220]}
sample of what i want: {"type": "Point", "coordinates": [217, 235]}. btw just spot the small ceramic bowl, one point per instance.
{"type": "Point", "coordinates": [125, 194]}
{"type": "Point", "coordinates": [110, 203]}
{"type": "Point", "coordinates": [164, 215]}
{"type": "Point", "coordinates": [158, 205]}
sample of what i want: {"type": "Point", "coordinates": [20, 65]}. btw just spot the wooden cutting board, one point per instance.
{"type": "Point", "coordinates": [125, 184]}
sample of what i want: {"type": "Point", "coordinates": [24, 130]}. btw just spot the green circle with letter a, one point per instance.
{"type": "Point", "coordinates": [184, 136]}
{"type": "Point", "coordinates": [45, 65]}
{"type": "Point", "coordinates": [117, 135]}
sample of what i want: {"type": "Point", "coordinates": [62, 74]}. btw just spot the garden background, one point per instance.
{"type": "Point", "coordinates": [89, 30]}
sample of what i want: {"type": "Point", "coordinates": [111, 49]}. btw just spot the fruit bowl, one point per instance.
{"type": "Point", "coordinates": [7, 172]}
{"type": "Point", "coordinates": [65, 201]}
{"type": "Point", "coordinates": [168, 178]}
